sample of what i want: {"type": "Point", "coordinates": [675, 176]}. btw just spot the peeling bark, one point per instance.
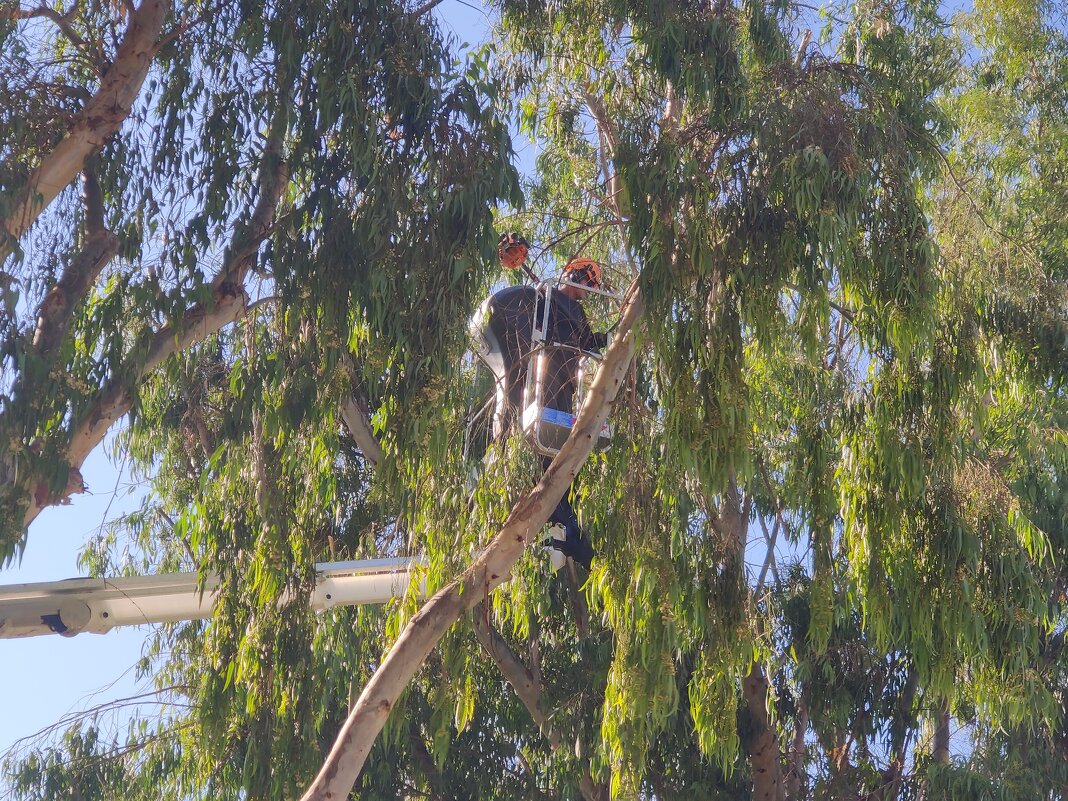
{"type": "Point", "coordinates": [94, 125]}
{"type": "Point", "coordinates": [492, 567]}
{"type": "Point", "coordinates": [528, 688]}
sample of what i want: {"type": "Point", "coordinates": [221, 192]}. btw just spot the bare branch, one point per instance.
{"type": "Point", "coordinates": [53, 315]}
{"type": "Point", "coordinates": [941, 736]}
{"type": "Point", "coordinates": [669, 122]}
{"type": "Point", "coordinates": [805, 40]}
{"type": "Point", "coordinates": [608, 145]}
{"type": "Point", "coordinates": [769, 559]}
{"type": "Point", "coordinates": [206, 441]}
{"type": "Point", "coordinates": [795, 773]}
{"type": "Point", "coordinates": [848, 314]}
{"type": "Point", "coordinates": [427, 6]}
{"type": "Point", "coordinates": [62, 21]}
{"type": "Point", "coordinates": [606, 133]}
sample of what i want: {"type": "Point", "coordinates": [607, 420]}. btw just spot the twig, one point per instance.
{"type": "Point", "coordinates": [427, 6]}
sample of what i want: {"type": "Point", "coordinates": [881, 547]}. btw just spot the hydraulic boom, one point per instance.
{"type": "Point", "coordinates": [99, 605]}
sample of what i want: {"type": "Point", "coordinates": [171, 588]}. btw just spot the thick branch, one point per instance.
{"type": "Point", "coordinates": [116, 399]}
{"type": "Point", "coordinates": [941, 736]}
{"type": "Point", "coordinates": [54, 313]}
{"type": "Point", "coordinates": [489, 570]}
{"type": "Point", "coordinates": [356, 416]}
{"type": "Point", "coordinates": [529, 692]}
{"type": "Point", "coordinates": [764, 756]}
{"type": "Point", "coordinates": [796, 772]}
{"type": "Point", "coordinates": [607, 153]}
{"type": "Point", "coordinates": [91, 127]}
{"type": "Point", "coordinates": [101, 246]}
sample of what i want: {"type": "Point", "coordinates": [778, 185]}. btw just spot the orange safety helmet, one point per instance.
{"type": "Point", "coordinates": [583, 271]}
{"type": "Point", "coordinates": [512, 250]}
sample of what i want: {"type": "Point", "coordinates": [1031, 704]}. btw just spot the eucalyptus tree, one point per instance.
{"type": "Point", "coordinates": [842, 340]}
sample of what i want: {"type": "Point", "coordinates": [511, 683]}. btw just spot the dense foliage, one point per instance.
{"type": "Point", "coordinates": [831, 528]}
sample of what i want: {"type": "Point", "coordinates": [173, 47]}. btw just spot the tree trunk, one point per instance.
{"type": "Point", "coordinates": [359, 732]}
{"type": "Point", "coordinates": [795, 785]}
{"type": "Point", "coordinates": [764, 757]}
{"type": "Point", "coordinates": [941, 737]}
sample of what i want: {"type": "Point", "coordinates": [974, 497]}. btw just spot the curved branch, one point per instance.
{"type": "Point", "coordinates": [91, 127]}
{"type": "Point", "coordinates": [492, 567]}
{"type": "Point", "coordinates": [117, 398]}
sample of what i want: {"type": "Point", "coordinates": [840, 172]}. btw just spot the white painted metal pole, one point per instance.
{"type": "Point", "coordinates": [99, 605]}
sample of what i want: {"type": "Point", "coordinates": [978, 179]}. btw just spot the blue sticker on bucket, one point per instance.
{"type": "Point", "coordinates": [557, 417]}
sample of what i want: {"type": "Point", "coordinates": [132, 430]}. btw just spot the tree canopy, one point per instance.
{"type": "Point", "coordinates": [831, 527]}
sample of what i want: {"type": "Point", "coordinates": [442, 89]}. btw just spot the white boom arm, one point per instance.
{"type": "Point", "coordinates": [99, 605]}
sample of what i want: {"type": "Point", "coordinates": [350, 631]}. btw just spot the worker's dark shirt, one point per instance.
{"type": "Point", "coordinates": [511, 320]}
